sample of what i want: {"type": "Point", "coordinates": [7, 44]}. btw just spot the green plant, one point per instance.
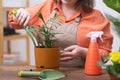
{"type": "Point", "coordinates": [115, 5]}
{"type": "Point", "coordinates": [114, 68]}
{"type": "Point", "coordinates": [43, 36]}
{"type": "Point", "coordinates": [113, 57]}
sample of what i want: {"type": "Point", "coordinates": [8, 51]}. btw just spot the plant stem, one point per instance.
{"type": "Point", "coordinates": [25, 27]}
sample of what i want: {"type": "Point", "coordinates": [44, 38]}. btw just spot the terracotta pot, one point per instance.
{"type": "Point", "coordinates": [112, 77]}
{"type": "Point", "coordinates": [47, 58]}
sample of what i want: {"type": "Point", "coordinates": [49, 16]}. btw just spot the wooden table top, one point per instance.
{"type": "Point", "coordinates": [9, 72]}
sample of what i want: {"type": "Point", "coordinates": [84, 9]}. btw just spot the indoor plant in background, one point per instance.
{"type": "Point", "coordinates": [114, 57]}
{"type": "Point", "coordinates": [114, 5]}
{"type": "Point", "coordinates": [47, 54]}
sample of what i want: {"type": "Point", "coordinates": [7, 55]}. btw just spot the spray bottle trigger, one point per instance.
{"type": "Point", "coordinates": [101, 39]}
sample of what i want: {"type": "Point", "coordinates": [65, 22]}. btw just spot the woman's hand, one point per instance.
{"type": "Point", "coordinates": [72, 52]}
{"type": "Point", "coordinates": [22, 17]}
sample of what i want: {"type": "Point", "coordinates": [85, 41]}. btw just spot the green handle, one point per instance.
{"type": "Point", "coordinates": [31, 74]}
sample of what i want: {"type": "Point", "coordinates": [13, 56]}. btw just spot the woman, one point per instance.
{"type": "Point", "coordinates": [79, 18]}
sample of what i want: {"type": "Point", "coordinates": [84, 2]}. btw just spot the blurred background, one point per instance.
{"type": "Point", "coordinates": [19, 46]}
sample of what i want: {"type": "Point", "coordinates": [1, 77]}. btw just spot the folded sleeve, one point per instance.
{"type": "Point", "coordinates": [95, 21]}
{"type": "Point", "coordinates": [100, 23]}
{"type": "Point", "coordinates": [34, 10]}
{"type": "Point", "coordinates": [105, 47]}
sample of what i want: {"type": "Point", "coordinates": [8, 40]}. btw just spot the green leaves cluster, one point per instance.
{"type": "Point", "coordinates": [43, 36]}
{"type": "Point", "coordinates": [113, 69]}
{"type": "Point", "coordinates": [115, 21]}
{"type": "Point", "coordinates": [115, 5]}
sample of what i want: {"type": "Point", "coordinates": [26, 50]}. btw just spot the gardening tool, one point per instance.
{"type": "Point", "coordinates": [47, 74]}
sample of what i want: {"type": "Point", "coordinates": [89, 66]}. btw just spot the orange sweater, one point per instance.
{"type": "Point", "coordinates": [93, 21]}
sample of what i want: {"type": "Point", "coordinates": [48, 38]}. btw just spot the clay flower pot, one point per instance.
{"type": "Point", "coordinates": [47, 58]}
{"type": "Point", "coordinates": [112, 77]}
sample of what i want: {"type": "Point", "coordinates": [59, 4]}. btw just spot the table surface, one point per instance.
{"type": "Point", "coordinates": [9, 72]}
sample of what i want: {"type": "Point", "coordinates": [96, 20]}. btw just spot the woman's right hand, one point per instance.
{"type": "Point", "coordinates": [73, 52]}
{"type": "Point", "coordinates": [22, 17]}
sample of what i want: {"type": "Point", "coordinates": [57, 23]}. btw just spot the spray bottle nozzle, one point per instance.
{"type": "Point", "coordinates": [94, 35]}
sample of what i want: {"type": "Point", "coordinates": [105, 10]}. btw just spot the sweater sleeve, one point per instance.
{"type": "Point", "coordinates": [33, 16]}
{"type": "Point", "coordinates": [105, 47]}
{"type": "Point", "coordinates": [95, 21]}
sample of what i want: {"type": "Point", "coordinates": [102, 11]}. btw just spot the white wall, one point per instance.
{"type": "Point", "coordinates": [19, 45]}
{"type": "Point", "coordinates": [19, 3]}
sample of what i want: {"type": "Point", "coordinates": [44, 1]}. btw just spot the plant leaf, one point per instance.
{"type": "Point", "coordinates": [41, 17]}
{"type": "Point", "coordinates": [31, 28]}
{"type": "Point", "coordinates": [29, 33]}
{"type": "Point", "coordinates": [118, 75]}
{"type": "Point", "coordinates": [115, 21]}
{"type": "Point", "coordinates": [113, 4]}
{"type": "Point", "coordinates": [105, 58]}
{"type": "Point", "coordinates": [101, 64]}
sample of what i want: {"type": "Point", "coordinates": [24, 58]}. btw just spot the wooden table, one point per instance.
{"type": "Point", "coordinates": [9, 72]}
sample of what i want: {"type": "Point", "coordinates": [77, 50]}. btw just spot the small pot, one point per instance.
{"type": "Point", "coordinates": [47, 58]}
{"type": "Point", "coordinates": [112, 77]}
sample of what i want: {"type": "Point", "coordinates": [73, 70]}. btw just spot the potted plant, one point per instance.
{"type": "Point", "coordinates": [47, 54]}
{"type": "Point", "coordinates": [112, 68]}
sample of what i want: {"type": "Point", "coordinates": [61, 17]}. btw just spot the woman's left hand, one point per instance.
{"type": "Point", "coordinates": [72, 52]}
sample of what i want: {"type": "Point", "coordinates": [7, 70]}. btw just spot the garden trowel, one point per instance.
{"type": "Point", "coordinates": [47, 74]}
